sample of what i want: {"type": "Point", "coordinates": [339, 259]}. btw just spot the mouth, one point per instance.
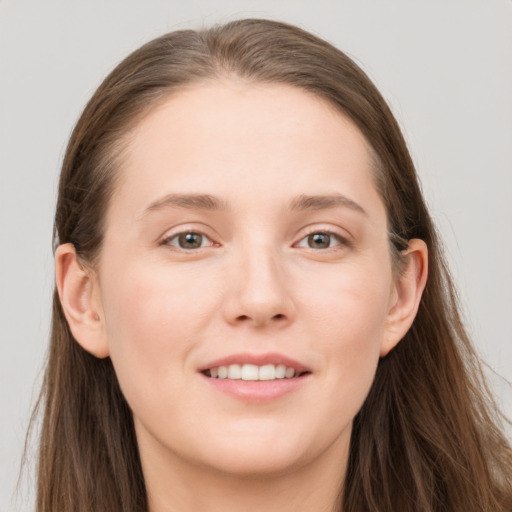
{"type": "Point", "coordinates": [254, 372]}
{"type": "Point", "coordinates": [255, 367]}
{"type": "Point", "coordinates": [256, 378]}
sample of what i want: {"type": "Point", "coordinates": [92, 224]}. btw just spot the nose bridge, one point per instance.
{"type": "Point", "coordinates": [260, 292]}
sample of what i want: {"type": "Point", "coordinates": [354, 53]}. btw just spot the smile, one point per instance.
{"type": "Point", "coordinates": [253, 372]}
{"type": "Point", "coordinates": [256, 378]}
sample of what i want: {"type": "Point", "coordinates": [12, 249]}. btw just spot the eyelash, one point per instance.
{"type": "Point", "coordinates": [342, 241]}
{"type": "Point", "coordinates": [167, 240]}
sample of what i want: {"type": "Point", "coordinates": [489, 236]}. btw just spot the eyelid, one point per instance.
{"type": "Point", "coordinates": [182, 229]}
{"type": "Point", "coordinates": [344, 240]}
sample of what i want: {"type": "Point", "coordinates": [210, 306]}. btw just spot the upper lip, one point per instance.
{"type": "Point", "coordinates": [256, 359]}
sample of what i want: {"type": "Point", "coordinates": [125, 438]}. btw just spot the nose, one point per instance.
{"type": "Point", "coordinates": [259, 292]}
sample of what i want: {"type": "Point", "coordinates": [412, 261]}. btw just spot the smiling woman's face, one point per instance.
{"type": "Point", "coordinates": [246, 237]}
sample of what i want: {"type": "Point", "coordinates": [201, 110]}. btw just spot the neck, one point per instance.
{"type": "Point", "coordinates": [176, 485]}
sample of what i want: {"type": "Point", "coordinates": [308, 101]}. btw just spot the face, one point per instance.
{"type": "Point", "coordinates": [245, 239]}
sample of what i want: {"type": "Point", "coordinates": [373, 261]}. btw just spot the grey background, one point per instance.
{"type": "Point", "coordinates": [444, 66]}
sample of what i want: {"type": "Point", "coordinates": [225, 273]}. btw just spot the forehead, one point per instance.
{"type": "Point", "coordinates": [262, 140]}
{"type": "Point", "coordinates": [245, 112]}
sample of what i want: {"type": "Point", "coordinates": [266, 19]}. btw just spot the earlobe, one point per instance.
{"type": "Point", "coordinates": [79, 296]}
{"type": "Point", "coordinates": [406, 294]}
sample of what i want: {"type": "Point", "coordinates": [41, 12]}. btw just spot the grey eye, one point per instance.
{"type": "Point", "coordinates": [188, 240]}
{"type": "Point", "coordinates": [319, 240]}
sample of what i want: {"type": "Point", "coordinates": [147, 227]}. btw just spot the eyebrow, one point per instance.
{"type": "Point", "coordinates": [321, 202]}
{"type": "Point", "coordinates": [211, 203]}
{"type": "Point", "coordinates": [187, 201]}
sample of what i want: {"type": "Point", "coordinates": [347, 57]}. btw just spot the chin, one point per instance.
{"type": "Point", "coordinates": [250, 463]}
{"type": "Point", "coordinates": [259, 453]}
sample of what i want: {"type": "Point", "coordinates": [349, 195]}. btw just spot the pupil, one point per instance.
{"type": "Point", "coordinates": [319, 240]}
{"type": "Point", "coordinates": [190, 240]}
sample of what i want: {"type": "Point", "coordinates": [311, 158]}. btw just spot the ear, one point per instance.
{"type": "Point", "coordinates": [79, 295]}
{"type": "Point", "coordinates": [406, 294]}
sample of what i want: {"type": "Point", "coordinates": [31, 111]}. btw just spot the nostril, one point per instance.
{"type": "Point", "coordinates": [243, 318]}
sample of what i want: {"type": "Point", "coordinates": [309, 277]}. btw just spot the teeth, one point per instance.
{"type": "Point", "coordinates": [280, 371]}
{"type": "Point", "coordinates": [234, 371]}
{"type": "Point", "coordinates": [252, 372]}
{"type": "Point", "coordinates": [290, 372]}
{"type": "Point", "coordinates": [249, 372]}
{"type": "Point", "coordinates": [267, 372]}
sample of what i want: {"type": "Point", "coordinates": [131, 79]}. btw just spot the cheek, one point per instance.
{"type": "Point", "coordinates": [153, 320]}
{"type": "Point", "coordinates": [350, 315]}
{"type": "Point", "coordinates": [350, 302]}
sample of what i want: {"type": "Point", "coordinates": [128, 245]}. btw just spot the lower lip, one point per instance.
{"type": "Point", "coordinates": [257, 390]}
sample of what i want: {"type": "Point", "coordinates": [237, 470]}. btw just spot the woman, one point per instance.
{"type": "Point", "coordinates": [242, 317]}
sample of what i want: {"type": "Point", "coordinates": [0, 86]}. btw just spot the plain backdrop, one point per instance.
{"type": "Point", "coordinates": [445, 67]}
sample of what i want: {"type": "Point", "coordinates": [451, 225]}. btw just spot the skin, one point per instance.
{"type": "Point", "coordinates": [256, 285]}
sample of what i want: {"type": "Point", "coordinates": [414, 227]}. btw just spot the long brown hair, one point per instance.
{"type": "Point", "coordinates": [427, 437]}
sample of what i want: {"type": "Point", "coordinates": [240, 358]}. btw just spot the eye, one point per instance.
{"type": "Point", "coordinates": [188, 240]}
{"type": "Point", "coordinates": [320, 240]}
